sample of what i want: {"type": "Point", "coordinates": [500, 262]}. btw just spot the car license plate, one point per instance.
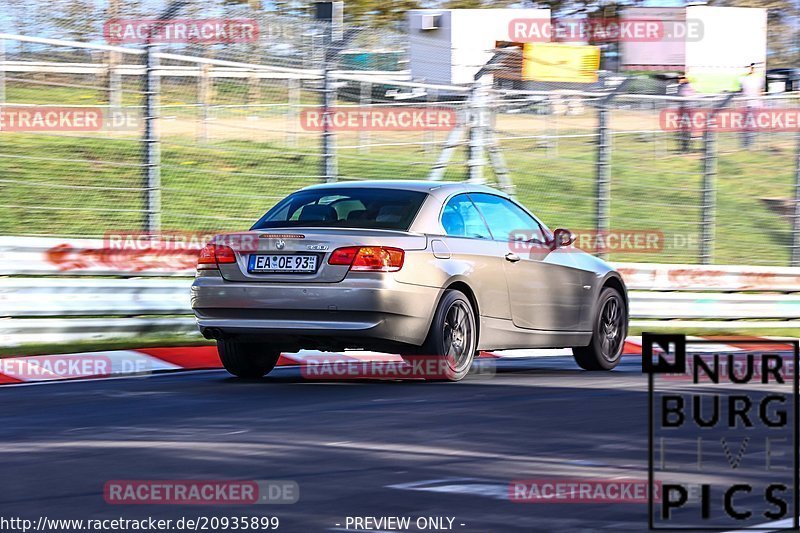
{"type": "Point", "coordinates": [282, 263]}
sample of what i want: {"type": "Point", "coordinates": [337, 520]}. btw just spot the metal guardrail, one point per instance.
{"type": "Point", "coordinates": [58, 296]}
{"type": "Point", "coordinates": [60, 256]}
{"type": "Point", "coordinates": [56, 309]}
{"type": "Point", "coordinates": [19, 331]}
{"type": "Point", "coordinates": [48, 297]}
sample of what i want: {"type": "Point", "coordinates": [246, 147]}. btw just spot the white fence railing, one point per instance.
{"type": "Point", "coordinates": [54, 294]}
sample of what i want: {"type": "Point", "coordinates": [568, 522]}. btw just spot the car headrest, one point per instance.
{"type": "Point", "coordinates": [453, 222]}
{"type": "Point", "coordinates": [357, 214]}
{"type": "Point", "coordinates": [318, 212]}
{"type": "Point", "coordinates": [391, 213]}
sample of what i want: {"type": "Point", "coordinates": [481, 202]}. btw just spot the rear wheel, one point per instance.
{"type": "Point", "coordinates": [453, 337]}
{"type": "Point", "coordinates": [247, 359]}
{"type": "Point", "coordinates": [608, 333]}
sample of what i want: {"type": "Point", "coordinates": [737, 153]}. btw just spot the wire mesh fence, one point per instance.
{"type": "Point", "coordinates": [233, 136]}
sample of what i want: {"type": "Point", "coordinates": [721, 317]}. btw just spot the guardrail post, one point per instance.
{"type": "Point", "coordinates": [795, 260]}
{"type": "Point", "coordinates": [150, 145]}
{"type": "Point", "coordinates": [603, 173]}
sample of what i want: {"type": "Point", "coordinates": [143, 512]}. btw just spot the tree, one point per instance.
{"type": "Point", "coordinates": [378, 13]}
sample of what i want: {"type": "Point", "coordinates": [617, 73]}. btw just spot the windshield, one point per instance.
{"type": "Point", "coordinates": [345, 208]}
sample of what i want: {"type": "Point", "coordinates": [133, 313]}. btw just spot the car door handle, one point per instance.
{"type": "Point", "coordinates": [512, 257]}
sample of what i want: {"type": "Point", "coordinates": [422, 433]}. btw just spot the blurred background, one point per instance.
{"type": "Point", "coordinates": [230, 142]}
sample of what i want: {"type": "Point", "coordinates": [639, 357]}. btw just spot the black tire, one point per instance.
{"type": "Point", "coordinates": [609, 329]}
{"type": "Point", "coordinates": [453, 337]}
{"type": "Point", "coordinates": [247, 359]}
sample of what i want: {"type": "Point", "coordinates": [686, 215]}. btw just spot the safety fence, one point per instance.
{"type": "Point", "coordinates": [209, 142]}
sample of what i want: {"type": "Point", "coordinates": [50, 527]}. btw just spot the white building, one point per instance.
{"type": "Point", "coordinates": [711, 44]}
{"type": "Point", "coordinates": [448, 46]}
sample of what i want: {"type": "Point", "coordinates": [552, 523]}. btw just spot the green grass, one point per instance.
{"type": "Point", "coordinates": [87, 186]}
{"type": "Point", "coordinates": [76, 91]}
{"type": "Point", "coordinates": [147, 340]}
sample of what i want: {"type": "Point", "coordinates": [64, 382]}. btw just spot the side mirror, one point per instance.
{"type": "Point", "coordinates": [562, 237]}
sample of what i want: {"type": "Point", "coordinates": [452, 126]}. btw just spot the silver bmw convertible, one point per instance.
{"type": "Point", "coordinates": [410, 267]}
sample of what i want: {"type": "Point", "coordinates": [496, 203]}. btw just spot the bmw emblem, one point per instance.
{"type": "Point", "coordinates": [280, 244]}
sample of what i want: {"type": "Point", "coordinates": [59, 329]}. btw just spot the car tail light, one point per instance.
{"type": "Point", "coordinates": [369, 258]}
{"type": "Point", "coordinates": [224, 254]}
{"type": "Point", "coordinates": [343, 256]}
{"type": "Point", "coordinates": [212, 255]}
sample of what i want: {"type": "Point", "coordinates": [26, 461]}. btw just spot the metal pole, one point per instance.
{"type": "Point", "coordinates": [293, 88]}
{"type": "Point", "coordinates": [151, 149]}
{"type": "Point", "coordinates": [204, 94]}
{"type": "Point", "coordinates": [496, 158]}
{"type": "Point", "coordinates": [365, 99]}
{"type": "Point", "coordinates": [796, 209]}
{"type": "Point", "coordinates": [477, 130]}
{"type": "Point", "coordinates": [708, 192]}
{"type": "Point", "coordinates": [428, 136]}
{"type": "Point", "coordinates": [708, 201]}
{"type": "Point", "coordinates": [114, 82]}
{"type": "Point", "coordinates": [603, 173]}
{"type": "Point", "coordinates": [329, 170]}
{"type": "Point", "coordinates": [603, 166]}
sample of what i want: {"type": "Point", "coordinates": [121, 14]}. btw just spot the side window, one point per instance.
{"type": "Point", "coordinates": [461, 219]}
{"type": "Point", "coordinates": [506, 219]}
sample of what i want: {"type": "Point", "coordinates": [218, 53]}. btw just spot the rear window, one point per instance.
{"type": "Point", "coordinates": [345, 208]}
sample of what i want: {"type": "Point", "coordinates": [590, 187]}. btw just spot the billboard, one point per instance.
{"type": "Point", "coordinates": [663, 54]}
{"type": "Point", "coordinates": [559, 62]}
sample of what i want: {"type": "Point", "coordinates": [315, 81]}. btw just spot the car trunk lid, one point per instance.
{"type": "Point", "coordinates": [262, 255]}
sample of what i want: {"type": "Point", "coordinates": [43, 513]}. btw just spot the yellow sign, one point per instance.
{"type": "Point", "coordinates": [576, 63]}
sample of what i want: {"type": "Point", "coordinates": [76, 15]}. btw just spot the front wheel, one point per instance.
{"type": "Point", "coordinates": [608, 333]}
{"type": "Point", "coordinates": [247, 359]}
{"type": "Point", "coordinates": [453, 337]}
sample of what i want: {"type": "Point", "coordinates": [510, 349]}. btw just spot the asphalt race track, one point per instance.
{"type": "Point", "coordinates": [351, 446]}
{"type": "Point", "coordinates": [355, 448]}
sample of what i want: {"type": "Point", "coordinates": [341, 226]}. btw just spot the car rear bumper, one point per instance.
{"type": "Point", "coordinates": [370, 306]}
